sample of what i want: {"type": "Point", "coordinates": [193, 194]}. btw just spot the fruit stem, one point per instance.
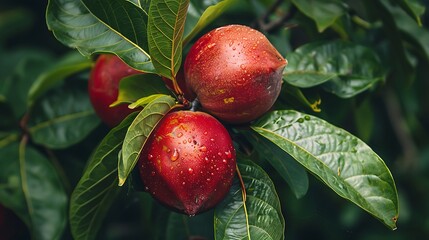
{"type": "Point", "coordinates": [195, 104]}
{"type": "Point", "coordinates": [243, 187]}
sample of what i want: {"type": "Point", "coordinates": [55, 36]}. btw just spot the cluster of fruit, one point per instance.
{"type": "Point", "coordinates": [188, 162]}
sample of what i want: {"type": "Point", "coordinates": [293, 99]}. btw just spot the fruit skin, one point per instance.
{"type": "Point", "coordinates": [235, 72]}
{"type": "Point", "coordinates": [188, 162]}
{"type": "Point", "coordinates": [103, 88]}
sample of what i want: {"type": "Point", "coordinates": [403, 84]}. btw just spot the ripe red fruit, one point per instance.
{"type": "Point", "coordinates": [103, 88]}
{"type": "Point", "coordinates": [235, 72]}
{"type": "Point", "coordinates": [188, 162]}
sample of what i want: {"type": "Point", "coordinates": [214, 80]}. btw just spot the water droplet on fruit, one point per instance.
{"type": "Point", "coordinates": [180, 134]}
{"type": "Point", "coordinates": [233, 48]}
{"type": "Point", "coordinates": [212, 139]}
{"type": "Point", "coordinates": [231, 43]}
{"type": "Point", "coordinates": [190, 170]}
{"type": "Point", "coordinates": [146, 189]}
{"type": "Point", "coordinates": [228, 154]}
{"type": "Point", "coordinates": [206, 158]}
{"type": "Point", "coordinates": [149, 156]}
{"type": "Point", "coordinates": [205, 133]}
{"type": "Point", "coordinates": [153, 173]}
{"type": "Point", "coordinates": [203, 148]}
{"type": "Point", "coordinates": [175, 155]}
{"type": "Point", "coordinates": [219, 153]}
{"type": "Point", "coordinates": [189, 140]}
{"type": "Point", "coordinates": [224, 160]}
{"type": "Point", "coordinates": [242, 66]}
{"type": "Point", "coordinates": [183, 183]}
{"type": "Point", "coordinates": [211, 45]}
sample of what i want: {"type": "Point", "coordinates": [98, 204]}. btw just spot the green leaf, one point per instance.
{"type": "Point", "coordinates": [139, 131]}
{"type": "Point", "coordinates": [166, 25]}
{"type": "Point", "coordinates": [97, 189]}
{"type": "Point", "coordinates": [210, 14]}
{"type": "Point", "coordinates": [291, 171]}
{"type": "Point", "coordinates": [63, 117]}
{"type": "Point", "coordinates": [63, 68]}
{"type": "Point", "coordinates": [346, 68]}
{"type": "Point", "coordinates": [259, 217]}
{"type": "Point", "coordinates": [137, 86]}
{"type": "Point", "coordinates": [19, 70]}
{"type": "Point", "coordinates": [340, 160]}
{"type": "Point", "coordinates": [413, 8]}
{"type": "Point", "coordinates": [295, 96]}
{"type": "Point", "coordinates": [31, 187]}
{"type": "Point", "coordinates": [75, 26]}
{"type": "Point", "coordinates": [323, 12]}
{"type": "Point", "coordinates": [123, 17]}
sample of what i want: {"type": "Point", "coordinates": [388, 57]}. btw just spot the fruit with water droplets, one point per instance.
{"type": "Point", "coordinates": [188, 162]}
{"type": "Point", "coordinates": [103, 87]}
{"type": "Point", "coordinates": [235, 72]}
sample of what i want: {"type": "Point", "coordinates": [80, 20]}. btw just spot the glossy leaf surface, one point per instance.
{"type": "Point", "coordinates": [259, 217]}
{"type": "Point", "coordinates": [98, 186]}
{"type": "Point", "coordinates": [340, 160]}
{"type": "Point", "coordinates": [166, 25]}
{"type": "Point", "coordinates": [346, 68]}
{"type": "Point", "coordinates": [323, 12]}
{"type": "Point", "coordinates": [77, 27]}
{"type": "Point", "coordinates": [63, 117]}
{"type": "Point", "coordinates": [291, 171]}
{"type": "Point", "coordinates": [139, 131]}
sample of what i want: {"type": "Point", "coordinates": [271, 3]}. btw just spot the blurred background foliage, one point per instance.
{"type": "Point", "coordinates": [392, 117]}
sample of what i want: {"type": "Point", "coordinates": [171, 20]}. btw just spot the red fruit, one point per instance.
{"type": "Point", "coordinates": [188, 163]}
{"type": "Point", "coordinates": [235, 72]}
{"type": "Point", "coordinates": [103, 88]}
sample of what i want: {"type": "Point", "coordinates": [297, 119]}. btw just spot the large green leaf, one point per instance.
{"type": "Point", "coordinates": [77, 27]}
{"type": "Point", "coordinates": [346, 68]}
{"type": "Point", "coordinates": [139, 131]}
{"type": "Point", "coordinates": [259, 216]}
{"type": "Point", "coordinates": [201, 21]}
{"type": "Point", "coordinates": [291, 171]}
{"type": "Point", "coordinates": [63, 117]}
{"type": "Point", "coordinates": [340, 160]}
{"type": "Point", "coordinates": [97, 189]}
{"type": "Point", "coordinates": [323, 12]}
{"type": "Point", "coordinates": [134, 87]}
{"type": "Point", "coordinates": [63, 68]}
{"type": "Point", "coordinates": [31, 187]}
{"type": "Point", "coordinates": [166, 25]}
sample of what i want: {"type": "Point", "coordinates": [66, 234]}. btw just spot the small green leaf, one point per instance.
{"type": "Point", "coordinates": [166, 25]}
{"type": "Point", "coordinates": [323, 12]}
{"type": "Point", "coordinates": [259, 217]}
{"type": "Point", "coordinates": [63, 117]}
{"type": "Point", "coordinates": [210, 14]}
{"type": "Point", "coordinates": [63, 68]}
{"type": "Point", "coordinates": [346, 68]}
{"type": "Point", "coordinates": [340, 160]}
{"type": "Point", "coordinates": [97, 189]}
{"type": "Point", "coordinates": [139, 131]}
{"type": "Point", "coordinates": [75, 26]}
{"type": "Point", "coordinates": [291, 171]}
{"type": "Point", "coordinates": [31, 187]}
{"type": "Point", "coordinates": [137, 86]}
